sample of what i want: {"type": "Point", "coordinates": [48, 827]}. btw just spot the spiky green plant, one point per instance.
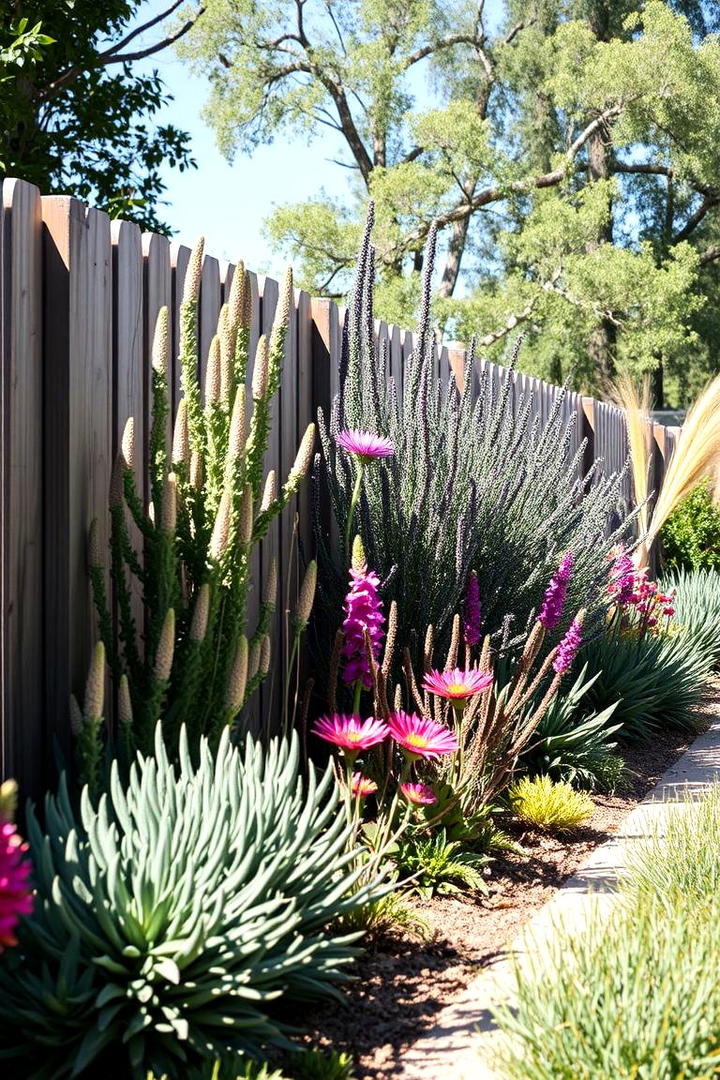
{"type": "Point", "coordinates": [196, 661]}
{"type": "Point", "coordinates": [438, 865]}
{"type": "Point", "coordinates": [555, 807]}
{"type": "Point", "coordinates": [574, 743]}
{"type": "Point", "coordinates": [179, 918]}
{"type": "Point", "coordinates": [697, 608]}
{"type": "Point", "coordinates": [474, 484]}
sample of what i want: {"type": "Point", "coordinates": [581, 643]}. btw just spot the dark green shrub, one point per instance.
{"type": "Point", "coordinates": [178, 919]}
{"type": "Point", "coordinates": [691, 535]}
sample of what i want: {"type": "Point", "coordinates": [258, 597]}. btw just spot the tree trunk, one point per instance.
{"type": "Point", "coordinates": [456, 248]}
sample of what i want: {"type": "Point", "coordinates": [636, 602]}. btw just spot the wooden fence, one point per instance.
{"type": "Point", "coordinates": [79, 295]}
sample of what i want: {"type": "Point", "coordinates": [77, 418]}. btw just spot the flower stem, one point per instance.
{"type": "Point", "coordinates": [353, 504]}
{"type": "Point", "coordinates": [356, 697]}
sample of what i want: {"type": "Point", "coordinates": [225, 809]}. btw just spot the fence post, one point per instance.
{"type": "Point", "coordinates": [23, 660]}
{"type": "Point", "coordinates": [586, 421]}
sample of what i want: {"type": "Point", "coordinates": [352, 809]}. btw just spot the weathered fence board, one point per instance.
{"type": "Point", "coordinates": [79, 298]}
{"type": "Point", "coordinates": [21, 511]}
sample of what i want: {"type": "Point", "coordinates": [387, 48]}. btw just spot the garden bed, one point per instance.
{"type": "Point", "coordinates": [403, 982]}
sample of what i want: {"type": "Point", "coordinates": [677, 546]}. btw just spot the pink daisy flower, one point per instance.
{"type": "Point", "coordinates": [457, 685]}
{"type": "Point", "coordinates": [15, 892]}
{"type": "Point", "coordinates": [365, 445]}
{"type": "Point", "coordinates": [350, 733]}
{"type": "Point", "coordinates": [420, 737]}
{"type": "Point", "coordinates": [362, 786]}
{"type": "Point", "coordinates": [419, 794]}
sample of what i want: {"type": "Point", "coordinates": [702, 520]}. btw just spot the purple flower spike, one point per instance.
{"type": "Point", "coordinates": [472, 621]}
{"type": "Point", "coordinates": [363, 611]}
{"type": "Point", "coordinates": [568, 647]}
{"type": "Point", "coordinates": [365, 445]}
{"type": "Point", "coordinates": [552, 606]}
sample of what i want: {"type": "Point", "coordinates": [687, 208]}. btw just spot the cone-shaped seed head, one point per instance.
{"type": "Point", "coordinates": [166, 648]}
{"type": "Point", "coordinates": [265, 650]}
{"type": "Point", "coordinates": [161, 342]}
{"type": "Point", "coordinates": [212, 375]}
{"type": "Point", "coordinates": [236, 300]}
{"type": "Point", "coordinates": [221, 528]}
{"type": "Point", "coordinates": [117, 483]}
{"type": "Point", "coordinates": [283, 312]}
{"type": "Point", "coordinates": [246, 516]}
{"type": "Point", "coordinates": [9, 800]}
{"type": "Point", "coordinates": [196, 470]}
{"type": "Point", "coordinates": [238, 676]}
{"type": "Point", "coordinates": [128, 442]}
{"type": "Point", "coordinates": [253, 660]}
{"type": "Point", "coordinates": [304, 455]}
{"type": "Point", "coordinates": [181, 438]}
{"type": "Point", "coordinates": [260, 370]}
{"type": "Point", "coordinates": [169, 504]}
{"type": "Point", "coordinates": [270, 593]}
{"type": "Point", "coordinates": [270, 491]}
{"type": "Point", "coordinates": [191, 288]}
{"type": "Point", "coordinates": [94, 557]}
{"type": "Point", "coordinates": [307, 592]}
{"type": "Point", "coordinates": [198, 626]}
{"type": "Point", "coordinates": [358, 554]}
{"type": "Point", "coordinates": [77, 719]}
{"type": "Point", "coordinates": [95, 685]}
{"type": "Point", "coordinates": [151, 511]}
{"type": "Point", "coordinates": [125, 713]}
{"type": "Point", "coordinates": [238, 425]}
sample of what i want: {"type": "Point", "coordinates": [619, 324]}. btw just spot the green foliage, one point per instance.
{"type": "Point", "coordinates": [74, 119]}
{"type": "Point", "coordinates": [691, 535]}
{"type": "Point", "coordinates": [314, 1065]}
{"type": "Point", "coordinates": [473, 484]}
{"type": "Point", "coordinates": [438, 866]}
{"type": "Point", "coordinates": [542, 802]}
{"type": "Point", "coordinates": [567, 153]}
{"type": "Point", "coordinates": [574, 744]}
{"type": "Point", "coordinates": [385, 916]}
{"type": "Point", "coordinates": [198, 662]}
{"type": "Point", "coordinates": [658, 682]}
{"type": "Point", "coordinates": [179, 919]}
{"type": "Point", "coordinates": [697, 608]}
{"type": "Point", "coordinates": [642, 999]}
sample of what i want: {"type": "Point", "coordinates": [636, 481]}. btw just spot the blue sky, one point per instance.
{"type": "Point", "coordinates": [228, 203]}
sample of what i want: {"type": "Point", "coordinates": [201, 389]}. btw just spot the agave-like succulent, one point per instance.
{"type": "Point", "coordinates": [176, 915]}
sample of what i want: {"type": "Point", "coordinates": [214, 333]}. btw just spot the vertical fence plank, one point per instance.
{"type": "Point", "coordinates": [157, 293]}
{"type": "Point", "coordinates": [210, 303]}
{"type": "Point", "coordinates": [22, 728]}
{"type": "Point", "coordinates": [179, 259]}
{"type": "Point", "coordinates": [305, 413]}
{"type": "Point", "coordinates": [271, 546]}
{"type": "Point", "coordinates": [129, 374]}
{"type": "Point", "coordinates": [78, 429]}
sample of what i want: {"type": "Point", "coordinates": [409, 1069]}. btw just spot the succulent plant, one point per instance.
{"type": "Point", "coordinates": [188, 555]}
{"type": "Point", "coordinates": [177, 918]}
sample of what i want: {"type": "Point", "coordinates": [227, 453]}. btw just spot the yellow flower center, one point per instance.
{"type": "Point", "coordinates": [354, 736]}
{"type": "Point", "coordinates": [414, 739]}
{"type": "Point", "coordinates": [456, 688]}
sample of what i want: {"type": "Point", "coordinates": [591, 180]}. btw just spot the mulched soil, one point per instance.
{"type": "Point", "coordinates": [403, 982]}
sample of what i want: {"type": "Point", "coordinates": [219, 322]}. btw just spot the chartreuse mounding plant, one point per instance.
{"type": "Point", "coordinates": [473, 484]}
{"type": "Point", "coordinates": [196, 661]}
{"type": "Point", "coordinates": [180, 918]}
{"type": "Point", "coordinates": [546, 804]}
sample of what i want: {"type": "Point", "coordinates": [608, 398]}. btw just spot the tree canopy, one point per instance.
{"type": "Point", "coordinates": [76, 115]}
{"type": "Point", "coordinates": [567, 150]}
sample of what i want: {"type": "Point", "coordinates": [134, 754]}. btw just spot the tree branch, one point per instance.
{"type": "Point", "coordinates": [521, 316]}
{"type": "Point", "coordinates": [708, 203]}
{"type": "Point", "coordinates": [113, 56]}
{"type": "Point", "coordinates": [497, 192]}
{"type": "Point", "coordinates": [711, 254]}
{"type": "Point", "coordinates": [433, 47]}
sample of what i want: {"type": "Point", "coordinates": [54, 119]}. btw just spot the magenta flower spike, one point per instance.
{"type": "Point", "coordinates": [472, 620]}
{"type": "Point", "coordinates": [622, 576]}
{"type": "Point", "coordinates": [568, 647]}
{"type": "Point", "coordinates": [351, 734]}
{"type": "Point", "coordinates": [365, 445]}
{"type": "Point", "coordinates": [16, 897]}
{"type": "Point", "coordinates": [554, 602]}
{"type": "Point", "coordinates": [420, 737]}
{"type": "Point", "coordinates": [457, 685]}
{"type": "Point", "coordinates": [419, 794]}
{"type": "Point", "coordinates": [363, 612]}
